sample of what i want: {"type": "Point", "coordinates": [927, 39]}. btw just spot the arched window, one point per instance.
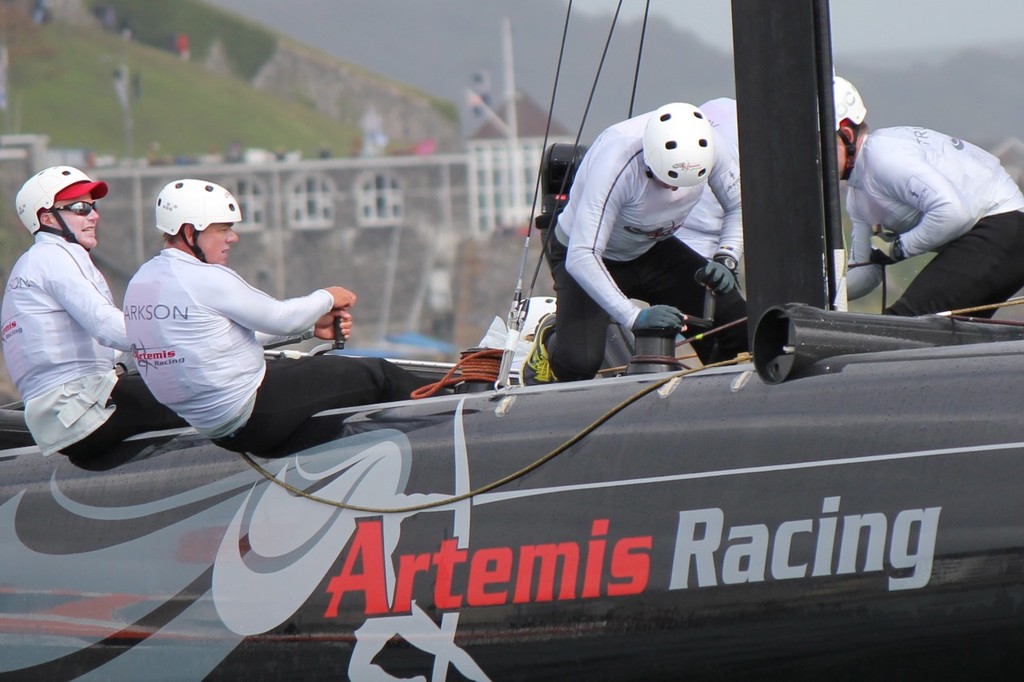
{"type": "Point", "coordinates": [252, 200]}
{"type": "Point", "coordinates": [310, 202]}
{"type": "Point", "coordinates": [378, 200]}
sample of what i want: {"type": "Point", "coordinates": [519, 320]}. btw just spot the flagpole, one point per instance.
{"type": "Point", "coordinates": [515, 154]}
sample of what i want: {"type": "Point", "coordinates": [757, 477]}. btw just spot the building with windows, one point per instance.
{"type": "Point", "coordinates": [387, 227]}
{"type": "Point", "coordinates": [504, 156]}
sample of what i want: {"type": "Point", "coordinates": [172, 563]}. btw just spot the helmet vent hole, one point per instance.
{"type": "Point", "coordinates": [703, 142]}
{"type": "Point", "coordinates": [665, 117]}
{"type": "Point", "coordinates": [179, 185]}
{"type": "Point", "coordinates": [701, 172]}
{"type": "Point", "coordinates": [673, 174]}
{"type": "Point", "coordinates": [698, 114]}
{"type": "Point", "coordinates": [671, 144]}
{"type": "Point", "coordinates": [65, 172]}
{"type": "Point", "coordinates": [208, 188]}
{"type": "Point", "coordinates": [231, 207]}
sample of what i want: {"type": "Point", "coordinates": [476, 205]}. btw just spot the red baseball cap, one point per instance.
{"type": "Point", "coordinates": [97, 190]}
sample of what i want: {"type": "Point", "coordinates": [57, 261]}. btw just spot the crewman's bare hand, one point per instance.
{"type": "Point", "coordinates": [343, 298]}
{"type": "Point", "coordinates": [324, 327]}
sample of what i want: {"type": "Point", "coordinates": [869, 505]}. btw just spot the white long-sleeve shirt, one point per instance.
{"type": "Point", "coordinates": [59, 318]}
{"type": "Point", "coordinates": [194, 331]}
{"type": "Point", "coordinates": [703, 229]}
{"type": "Point", "coordinates": [616, 212]}
{"type": "Point", "coordinates": [927, 187]}
{"type": "Point", "coordinates": [61, 332]}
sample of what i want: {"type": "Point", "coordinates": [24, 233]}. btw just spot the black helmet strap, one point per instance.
{"type": "Point", "coordinates": [64, 230]}
{"type": "Point", "coordinates": [193, 245]}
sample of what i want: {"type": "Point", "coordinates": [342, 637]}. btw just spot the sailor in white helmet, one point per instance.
{"type": "Point", "coordinates": [198, 330]}
{"type": "Point", "coordinates": [62, 331]}
{"type": "Point", "coordinates": [923, 191]}
{"type": "Point", "coordinates": [704, 229]}
{"type": "Point", "coordinates": [615, 242]}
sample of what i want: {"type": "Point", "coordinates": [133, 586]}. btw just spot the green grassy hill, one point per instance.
{"type": "Point", "coordinates": [61, 83]}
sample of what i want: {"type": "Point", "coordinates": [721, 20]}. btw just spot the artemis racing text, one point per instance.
{"type": "Point", "coordinates": [598, 567]}
{"type": "Point", "coordinates": [754, 553]}
{"type": "Point", "coordinates": [604, 567]}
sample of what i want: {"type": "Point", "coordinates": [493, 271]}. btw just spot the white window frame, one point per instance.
{"type": "Point", "coordinates": [309, 201]}
{"type": "Point", "coordinates": [380, 200]}
{"type": "Point", "coordinates": [253, 200]}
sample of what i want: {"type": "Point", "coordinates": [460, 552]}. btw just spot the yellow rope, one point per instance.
{"type": "Point", "coordinates": [742, 357]}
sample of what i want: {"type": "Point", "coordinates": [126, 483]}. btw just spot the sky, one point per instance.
{"type": "Point", "coordinates": [858, 26]}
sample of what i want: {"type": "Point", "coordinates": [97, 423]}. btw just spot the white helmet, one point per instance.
{"type": "Point", "coordinates": [849, 104]}
{"type": "Point", "coordinates": [41, 191]}
{"type": "Point", "coordinates": [678, 145]}
{"type": "Point", "coordinates": [196, 202]}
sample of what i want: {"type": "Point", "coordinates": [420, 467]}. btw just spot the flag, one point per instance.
{"type": "Point", "coordinates": [425, 147]}
{"type": "Point", "coordinates": [478, 104]}
{"type": "Point", "coordinates": [3, 78]}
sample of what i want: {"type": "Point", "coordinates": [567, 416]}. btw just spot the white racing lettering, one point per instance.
{"type": "Point", "coordinates": [753, 553]}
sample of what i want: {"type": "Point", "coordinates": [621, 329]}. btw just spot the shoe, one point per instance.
{"type": "Point", "coordinates": [536, 367]}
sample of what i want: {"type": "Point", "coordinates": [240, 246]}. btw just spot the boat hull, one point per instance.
{"type": "Point", "coordinates": [860, 522]}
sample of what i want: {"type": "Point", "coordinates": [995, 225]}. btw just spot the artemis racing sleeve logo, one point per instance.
{"type": "Point", "coordinates": [655, 232]}
{"type": "Point", "coordinates": [11, 329]}
{"type": "Point", "coordinates": [155, 358]}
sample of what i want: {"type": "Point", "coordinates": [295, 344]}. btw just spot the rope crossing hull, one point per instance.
{"type": "Point", "coordinates": [859, 521]}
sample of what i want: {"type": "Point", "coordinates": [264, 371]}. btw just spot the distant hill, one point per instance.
{"type": "Point", "coordinates": [976, 95]}
{"type": "Point", "coordinates": [62, 84]}
{"type": "Point", "coordinates": [241, 85]}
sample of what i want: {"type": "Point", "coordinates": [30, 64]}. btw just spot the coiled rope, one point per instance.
{"type": "Point", "coordinates": [477, 365]}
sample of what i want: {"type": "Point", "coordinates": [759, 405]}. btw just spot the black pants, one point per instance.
{"type": "Point", "coordinates": [984, 266]}
{"type": "Point", "coordinates": [294, 390]}
{"type": "Point", "coordinates": [663, 275]}
{"type": "Point", "coordinates": [137, 412]}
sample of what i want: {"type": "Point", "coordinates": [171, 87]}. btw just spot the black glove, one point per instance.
{"type": "Point", "coordinates": [659, 317]}
{"type": "Point", "coordinates": [716, 276]}
{"type": "Point", "coordinates": [879, 257]}
{"type": "Point", "coordinates": [891, 252]}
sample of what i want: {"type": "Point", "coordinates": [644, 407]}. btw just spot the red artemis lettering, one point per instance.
{"type": "Point", "coordinates": [445, 559]}
{"type": "Point", "coordinates": [367, 550]}
{"type": "Point", "coordinates": [595, 560]}
{"type": "Point", "coordinates": [549, 555]}
{"type": "Point", "coordinates": [631, 566]}
{"type": "Point", "coordinates": [487, 567]}
{"type": "Point", "coordinates": [408, 566]}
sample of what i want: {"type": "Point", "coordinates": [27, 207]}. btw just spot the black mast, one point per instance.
{"type": "Point", "coordinates": [792, 228]}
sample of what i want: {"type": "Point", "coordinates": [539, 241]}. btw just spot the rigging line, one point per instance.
{"type": "Point", "coordinates": [576, 142]}
{"type": "Point", "coordinates": [583, 123]}
{"type": "Point", "coordinates": [547, 134]}
{"type": "Point", "coordinates": [978, 308]}
{"type": "Point", "coordinates": [517, 312]}
{"type": "Point", "coordinates": [639, 54]}
{"type": "Point", "coordinates": [536, 464]}
{"type": "Point", "coordinates": [519, 306]}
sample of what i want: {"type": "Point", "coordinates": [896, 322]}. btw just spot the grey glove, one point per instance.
{"type": "Point", "coordinates": [716, 276]}
{"type": "Point", "coordinates": [659, 317]}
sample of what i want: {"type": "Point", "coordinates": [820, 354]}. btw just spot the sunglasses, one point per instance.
{"type": "Point", "coordinates": [82, 208]}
